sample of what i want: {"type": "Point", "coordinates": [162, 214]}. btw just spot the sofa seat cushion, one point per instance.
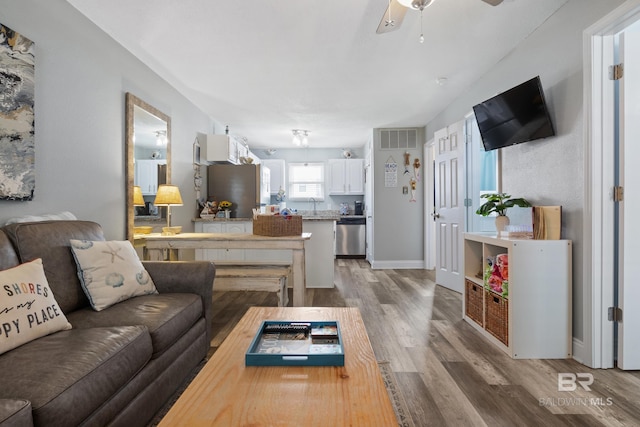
{"type": "Point", "coordinates": [15, 413]}
{"type": "Point", "coordinates": [167, 316]}
{"type": "Point", "coordinates": [77, 368]}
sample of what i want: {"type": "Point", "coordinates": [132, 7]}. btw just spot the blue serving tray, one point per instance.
{"type": "Point", "coordinates": [267, 349]}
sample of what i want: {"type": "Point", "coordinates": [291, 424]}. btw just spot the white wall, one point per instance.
{"type": "Point", "coordinates": [398, 223]}
{"type": "Point", "coordinates": [550, 171]}
{"type": "Point", "coordinates": [82, 76]}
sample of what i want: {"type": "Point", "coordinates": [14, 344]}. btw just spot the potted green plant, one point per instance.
{"type": "Point", "coordinates": [499, 203]}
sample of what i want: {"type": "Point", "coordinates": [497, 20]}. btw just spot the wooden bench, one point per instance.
{"type": "Point", "coordinates": [254, 276]}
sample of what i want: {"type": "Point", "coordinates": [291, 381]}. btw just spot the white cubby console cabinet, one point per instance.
{"type": "Point", "coordinates": [534, 320]}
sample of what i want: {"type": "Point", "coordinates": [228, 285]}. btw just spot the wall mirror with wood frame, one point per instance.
{"type": "Point", "coordinates": [148, 164]}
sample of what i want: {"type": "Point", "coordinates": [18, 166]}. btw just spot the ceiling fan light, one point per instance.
{"type": "Point", "coordinates": [415, 4]}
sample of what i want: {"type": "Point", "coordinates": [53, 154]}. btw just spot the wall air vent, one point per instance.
{"type": "Point", "coordinates": [398, 139]}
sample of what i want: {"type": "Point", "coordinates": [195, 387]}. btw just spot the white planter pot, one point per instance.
{"type": "Point", "coordinates": [501, 223]}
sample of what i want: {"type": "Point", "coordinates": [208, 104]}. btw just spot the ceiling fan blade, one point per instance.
{"type": "Point", "coordinates": [396, 11]}
{"type": "Point", "coordinates": [493, 2]}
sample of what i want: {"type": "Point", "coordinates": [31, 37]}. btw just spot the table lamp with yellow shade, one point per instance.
{"type": "Point", "coordinates": [138, 200]}
{"type": "Point", "coordinates": [168, 195]}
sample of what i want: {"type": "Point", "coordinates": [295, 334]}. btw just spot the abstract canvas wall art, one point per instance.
{"type": "Point", "coordinates": [17, 148]}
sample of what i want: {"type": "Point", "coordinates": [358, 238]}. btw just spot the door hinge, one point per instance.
{"type": "Point", "coordinates": [468, 202]}
{"type": "Point", "coordinates": [618, 193]}
{"type": "Point", "coordinates": [616, 71]}
{"type": "Point", "coordinates": [615, 314]}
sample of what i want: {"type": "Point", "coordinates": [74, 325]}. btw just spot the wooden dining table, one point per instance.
{"type": "Point", "coordinates": [159, 247]}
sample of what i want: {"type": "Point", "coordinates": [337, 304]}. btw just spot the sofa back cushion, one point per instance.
{"type": "Point", "coordinates": [49, 240]}
{"type": "Point", "coordinates": [8, 255]}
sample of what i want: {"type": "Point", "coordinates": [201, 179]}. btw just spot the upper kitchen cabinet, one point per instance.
{"type": "Point", "coordinates": [146, 175]}
{"type": "Point", "coordinates": [278, 178]}
{"type": "Point", "coordinates": [222, 148]}
{"type": "Point", "coordinates": [346, 176]}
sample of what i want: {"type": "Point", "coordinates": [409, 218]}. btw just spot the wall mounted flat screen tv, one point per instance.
{"type": "Point", "coordinates": [517, 115]}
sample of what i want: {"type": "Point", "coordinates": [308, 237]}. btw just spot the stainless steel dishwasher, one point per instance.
{"type": "Point", "coordinates": [351, 236]}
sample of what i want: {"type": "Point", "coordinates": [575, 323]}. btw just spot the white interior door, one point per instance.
{"type": "Point", "coordinates": [449, 211]}
{"type": "Point", "coordinates": [629, 226]}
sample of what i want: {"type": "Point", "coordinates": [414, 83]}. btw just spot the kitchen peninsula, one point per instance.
{"type": "Point", "coordinates": [320, 249]}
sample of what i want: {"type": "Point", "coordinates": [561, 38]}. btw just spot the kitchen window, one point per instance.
{"type": "Point", "coordinates": [306, 180]}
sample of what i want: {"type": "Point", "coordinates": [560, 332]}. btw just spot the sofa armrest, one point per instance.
{"type": "Point", "coordinates": [15, 413]}
{"type": "Point", "coordinates": [194, 277]}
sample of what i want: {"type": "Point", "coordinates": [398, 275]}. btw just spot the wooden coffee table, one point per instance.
{"type": "Point", "coordinates": [228, 393]}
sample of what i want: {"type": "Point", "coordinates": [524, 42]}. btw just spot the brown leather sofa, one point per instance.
{"type": "Point", "coordinates": [115, 367]}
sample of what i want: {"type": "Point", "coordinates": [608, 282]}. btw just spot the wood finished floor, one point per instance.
{"type": "Point", "coordinates": [449, 374]}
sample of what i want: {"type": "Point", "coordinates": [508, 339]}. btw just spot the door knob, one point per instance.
{"type": "Point", "coordinates": [435, 215]}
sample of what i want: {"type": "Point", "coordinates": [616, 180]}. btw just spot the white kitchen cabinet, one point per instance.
{"type": "Point", "coordinates": [278, 177]}
{"type": "Point", "coordinates": [533, 321]}
{"type": "Point", "coordinates": [221, 148]}
{"type": "Point", "coordinates": [146, 175]}
{"type": "Point", "coordinates": [320, 253]}
{"type": "Point", "coordinates": [346, 176]}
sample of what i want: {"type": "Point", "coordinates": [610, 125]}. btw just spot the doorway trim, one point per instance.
{"type": "Point", "coordinates": [596, 348]}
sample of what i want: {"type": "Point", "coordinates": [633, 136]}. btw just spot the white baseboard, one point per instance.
{"type": "Point", "coordinates": [388, 265]}
{"type": "Point", "coordinates": [579, 351]}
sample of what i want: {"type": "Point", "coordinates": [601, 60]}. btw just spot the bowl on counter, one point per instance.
{"type": "Point", "coordinates": [170, 231]}
{"type": "Point", "coordinates": [142, 230]}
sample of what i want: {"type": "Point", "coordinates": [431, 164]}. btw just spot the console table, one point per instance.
{"type": "Point", "coordinates": [156, 244]}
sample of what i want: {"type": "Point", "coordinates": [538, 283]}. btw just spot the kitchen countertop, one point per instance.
{"type": "Point", "coordinates": [324, 215]}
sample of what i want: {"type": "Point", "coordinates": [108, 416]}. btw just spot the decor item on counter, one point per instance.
{"type": "Point", "coordinates": [301, 137]}
{"type": "Point", "coordinates": [17, 86]}
{"type": "Point", "coordinates": [225, 205]}
{"type": "Point", "coordinates": [344, 208]}
{"type": "Point", "coordinates": [138, 200]}
{"type": "Point", "coordinates": [142, 229]}
{"type": "Point", "coordinates": [209, 209]}
{"type": "Point", "coordinates": [277, 225]}
{"type": "Point", "coordinates": [168, 195]}
{"type": "Point", "coordinates": [171, 231]}
{"type": "Point", "coordinates": [499, 203]}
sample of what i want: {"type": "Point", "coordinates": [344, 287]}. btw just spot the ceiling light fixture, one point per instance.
{"type": "Point", "coordinates": [417, 5]}
{"type": "Point", "coordinates": [161, 137]}
{"type": "Point", "coordinates": [300, 137]}
{"type": "Point", "coordinates": [441, 81]}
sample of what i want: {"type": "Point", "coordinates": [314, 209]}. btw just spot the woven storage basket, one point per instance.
{"type": "Point", "coordinates": [474, 304]}
{"type": "Point", "coordinates": [277, 225]}
{"type": "Point", "coordinates": [497, 316]}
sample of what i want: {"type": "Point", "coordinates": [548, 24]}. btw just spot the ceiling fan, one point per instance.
{"type": "Point", "coordinates": [393, 16]}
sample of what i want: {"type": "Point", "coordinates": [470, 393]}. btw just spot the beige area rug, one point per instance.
{"type": "Point", "coordinates": [391, 384]}
{"type": "Point", "coordinates": [395, 394]}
